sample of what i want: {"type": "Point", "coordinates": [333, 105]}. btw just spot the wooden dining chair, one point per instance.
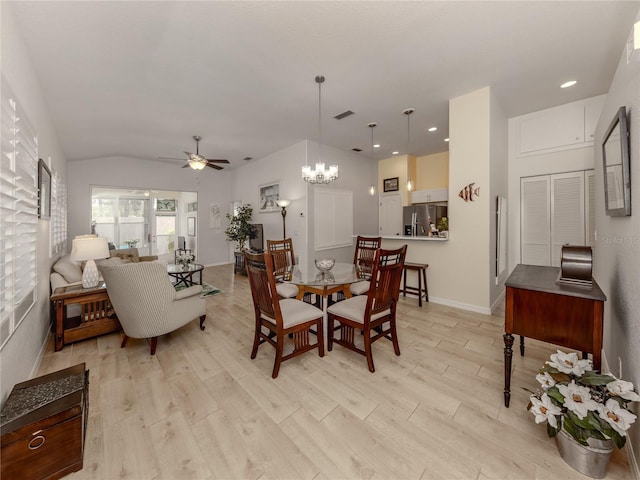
{"type": "Point", "coordinates": [277, 319]}
{"type": "Point", "coordinates": [374, 314]}
{"type": "Point", "coordinates": [283, 261]}
{"type": "Point", "coordinates": [363, 260]}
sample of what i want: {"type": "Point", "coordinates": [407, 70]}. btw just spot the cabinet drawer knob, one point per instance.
{"type": "Point", "coordinates": [36, 442]}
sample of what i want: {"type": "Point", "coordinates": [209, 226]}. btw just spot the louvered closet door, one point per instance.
{"type": "Point", "coordinates": [535, 220]}
{"type": "Point", "coordinates": [590, 206]}
{"type": "Point", "coordinates": [567, 213]}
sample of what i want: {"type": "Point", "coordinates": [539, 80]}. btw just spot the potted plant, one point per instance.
{"type": "Point", "coordinates": [585, 411]}
{"type": "Point", "coordinates": [239, 227]}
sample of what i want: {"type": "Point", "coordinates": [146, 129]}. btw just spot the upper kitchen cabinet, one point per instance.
{"type": "Point", "coordinates": [559, 128]}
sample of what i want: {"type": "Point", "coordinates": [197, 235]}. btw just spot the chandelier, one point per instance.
{"type": "Point", "coordinates": [320, 174]}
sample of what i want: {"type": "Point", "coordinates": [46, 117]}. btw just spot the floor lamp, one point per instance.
{"type": "Point", "coordinates": [283, 204]}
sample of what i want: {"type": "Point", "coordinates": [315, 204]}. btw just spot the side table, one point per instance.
{"type": "Point", "coordinates": [97, 317]}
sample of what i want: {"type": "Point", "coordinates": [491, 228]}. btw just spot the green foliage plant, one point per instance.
{"type": "Point", "coordinates": [239, 228]}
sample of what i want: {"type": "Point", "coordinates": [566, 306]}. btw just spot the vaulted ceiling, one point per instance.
{"type": "Point", "coordinates": [140, 78]}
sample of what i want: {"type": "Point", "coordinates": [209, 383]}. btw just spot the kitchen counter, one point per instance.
{"type": "Point", "coordinates": [419, 239]}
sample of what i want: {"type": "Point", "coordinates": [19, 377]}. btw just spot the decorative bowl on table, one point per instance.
{"type": "Point", "coordinates": [325, 264]}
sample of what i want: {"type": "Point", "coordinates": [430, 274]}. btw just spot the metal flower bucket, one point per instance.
{"type": "Point", "coordinates": [591, 461]}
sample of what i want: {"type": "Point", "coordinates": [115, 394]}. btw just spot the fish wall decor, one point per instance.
{"type": "Point", "coordinates": [469, 192]}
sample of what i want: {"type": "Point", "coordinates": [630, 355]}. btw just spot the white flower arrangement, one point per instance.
{"type": "Point", "coordinates": [582, 402]}
{"type": "Point", "coordinates": [184, 258]}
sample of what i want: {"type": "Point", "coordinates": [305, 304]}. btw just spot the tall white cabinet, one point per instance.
{"type": "Point", "coordinates": [556, 210]}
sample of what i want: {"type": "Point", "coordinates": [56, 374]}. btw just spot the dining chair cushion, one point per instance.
{"type": "Point", "coordinates": [359, 288]}
{"type": "Point", "coordinates": [295, 312]}
{"type": "Point", "coordinates": [353, 309]}
{"type": "Point", "coordinates": [287, 290]}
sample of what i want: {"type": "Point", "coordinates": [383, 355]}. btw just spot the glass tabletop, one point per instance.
{"type": "Point", "coordinates": [178, 268]}
{"type": "Point", "coordinates": [340, 274]}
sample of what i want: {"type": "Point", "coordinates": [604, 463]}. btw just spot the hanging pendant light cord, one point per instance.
{"type": "Point", "coordinates": [319, 81]}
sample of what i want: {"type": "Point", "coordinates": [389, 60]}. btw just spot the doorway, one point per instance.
{"type": "Point", "coordinates": [149, 220]}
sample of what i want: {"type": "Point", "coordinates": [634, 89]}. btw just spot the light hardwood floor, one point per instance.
{"type": "Point", "coordinates": [202, 409]}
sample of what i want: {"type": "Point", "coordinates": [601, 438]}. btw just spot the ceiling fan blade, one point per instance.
{"type": "Point", "coordinates": [185, 165]}
{"type": "Point", "coordinates": [214, 166]}
{"type": "Point", "coordinates": [217, 160]}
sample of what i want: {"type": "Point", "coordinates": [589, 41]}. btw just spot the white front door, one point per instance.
{"type": "Point", "coordinates": [390, 214]}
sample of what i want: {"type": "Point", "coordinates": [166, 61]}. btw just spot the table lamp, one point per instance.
{"type": "Point", "coordinates": [89, 248]}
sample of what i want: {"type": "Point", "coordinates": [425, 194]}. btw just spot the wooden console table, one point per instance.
{"type": "Point", "coordinates": [537, 307]}
{"type": "Point", "coordinates": [97, 316]}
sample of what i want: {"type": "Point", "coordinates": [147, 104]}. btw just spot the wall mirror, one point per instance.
{"type": "Point", "coordinates": [615, 158]}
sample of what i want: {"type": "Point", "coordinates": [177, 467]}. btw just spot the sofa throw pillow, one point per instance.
{"type": "Point", "coordinates": [69, 269]}
{"type": "Point", "coordinates": [128, 255]}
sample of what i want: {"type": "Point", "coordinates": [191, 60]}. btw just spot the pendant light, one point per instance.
{"type": "Point", "coordinates": [320, 174]}
{"type": "Point", "coordinates": [408, 113]}
{"type": "Point", "coordinates": [372, 188]}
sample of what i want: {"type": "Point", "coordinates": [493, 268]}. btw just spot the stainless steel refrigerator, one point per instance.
{"type": "Point", "coordinates": [418, 219]}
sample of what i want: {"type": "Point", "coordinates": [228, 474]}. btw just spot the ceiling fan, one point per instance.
{"type": "Point", "coordinates": [197, 161]}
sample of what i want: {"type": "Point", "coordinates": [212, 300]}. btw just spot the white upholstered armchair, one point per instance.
{"type": "Point", "coordinates": [146, 303]}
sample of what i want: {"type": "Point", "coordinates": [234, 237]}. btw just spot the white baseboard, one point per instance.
{"type": "Point", "coordinates": [498, 300]}
{"type": "Point", "coordinates": [461, 306]}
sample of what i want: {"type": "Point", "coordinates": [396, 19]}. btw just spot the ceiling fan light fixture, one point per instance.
{"type": "Point", "coordinates": [197, 164]}
{"type": "Point", "coordinates": [320, 174]}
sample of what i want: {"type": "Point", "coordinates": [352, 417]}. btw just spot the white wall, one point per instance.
{"type": "Point", "coordinates": [212, 186]}
{"type": "Point", "coordinates": [20, 357]}
{"type": "Point", "coordinates": [617, 249]}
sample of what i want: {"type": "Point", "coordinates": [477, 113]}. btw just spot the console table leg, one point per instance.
{"type": "Point", "coordinates": [508, 355]}
{"type": "Point", "coordinates": [521, 346]}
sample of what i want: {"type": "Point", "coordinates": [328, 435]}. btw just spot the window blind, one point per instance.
{"type": "Point", "coordinates": [19, 219]}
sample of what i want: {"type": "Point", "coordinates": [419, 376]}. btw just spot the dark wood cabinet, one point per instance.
{"type": "Point", "coordinates": [538, 306]}
{"type": "Point", "coordinates": [43, 424]}
{"type": "Point", "coordinates": [238, 264]}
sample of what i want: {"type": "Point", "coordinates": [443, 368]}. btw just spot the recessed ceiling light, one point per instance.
{"type": "Point", "coordinates": [433, 129]}
{"type": "Point", "coordinates": [446, 139]}
{"type": "Point", "coordinates": [568, 84]}
{"type": "Point", "coordinates": [394, 153]}
{"type": "Point", "coordinates": [377, 145]}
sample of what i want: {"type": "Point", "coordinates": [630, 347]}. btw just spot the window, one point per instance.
{"type": "Point", "coordinates": [19, 218]}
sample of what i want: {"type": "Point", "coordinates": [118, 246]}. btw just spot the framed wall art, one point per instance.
{"type": "Point", "coordinates": [166, 205]}
{"type": "Point", "coordinates": [44, 190]}
{"type": "Point", "coordinates": [269, 195]}
{"type": "Point", "coordinates": [391, 184]}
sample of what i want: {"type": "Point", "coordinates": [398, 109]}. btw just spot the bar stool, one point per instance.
{"type": "Point", "coordinates": [421, 268]}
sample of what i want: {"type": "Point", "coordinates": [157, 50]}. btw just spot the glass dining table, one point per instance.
{"type": "Point", "coordinates": [312, 280]}
{"type": "Point", "coordinates": [323, 284]}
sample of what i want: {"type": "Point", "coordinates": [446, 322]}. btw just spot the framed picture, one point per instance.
{"type": "Point", "coordinates": [391, 184]}
{"type": "Point", "coordinates": [44, 190]}
{"type": "Point", "coordinates": [166, 205]}
{"type": "Point", "coordinates": [191, 226]}
{"type": "Point", "coordinates": [269, 195]}
{"type": "Point", "coordinates": [192, 207]}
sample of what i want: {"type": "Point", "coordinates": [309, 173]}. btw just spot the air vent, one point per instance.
{"type": "Point", "coordinates": [356, 149]}
{"type": "Point", "coordinates": [247, 158]}
{"type": "Point", "coordinates": [340, 116]}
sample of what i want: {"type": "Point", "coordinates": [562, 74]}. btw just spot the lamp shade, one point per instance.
{"type": "Point", "coordinates": [89, 247]}
{"type": "Point", "coordinates": [282, 203]}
